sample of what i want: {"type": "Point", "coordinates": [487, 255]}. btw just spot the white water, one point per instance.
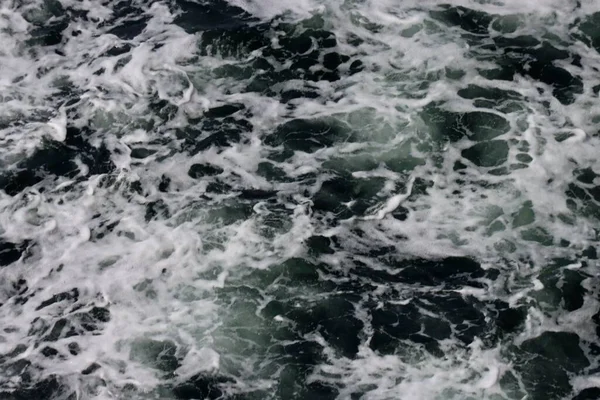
{"type": "Point", "coordinates": [202, 246]}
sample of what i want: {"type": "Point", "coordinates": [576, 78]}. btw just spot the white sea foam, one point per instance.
{"type": "Point", "coordinates": [162, 278]}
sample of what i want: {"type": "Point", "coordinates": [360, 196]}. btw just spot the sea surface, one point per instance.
{"type": "Point", "coordinates": [299, 199]}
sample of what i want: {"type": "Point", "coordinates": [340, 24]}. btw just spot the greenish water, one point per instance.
{"type": "Point", "coordinates": [299, 200]}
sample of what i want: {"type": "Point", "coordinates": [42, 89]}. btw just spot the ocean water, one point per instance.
{"type": "Point", "coordinates": [299, 199]}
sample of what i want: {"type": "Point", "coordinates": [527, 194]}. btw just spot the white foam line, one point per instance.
{"type": "Point", "coordinates": [392, 203]}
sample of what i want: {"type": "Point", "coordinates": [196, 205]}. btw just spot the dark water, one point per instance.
{"type": "Point", "coordinates": [299, 200]}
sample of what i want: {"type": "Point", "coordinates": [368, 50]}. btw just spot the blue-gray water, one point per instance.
{"type": "Point", "coordinates": [303, 199]}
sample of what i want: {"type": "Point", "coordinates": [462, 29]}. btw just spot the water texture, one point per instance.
{"type": "Point", "coordinates": [308, 199]}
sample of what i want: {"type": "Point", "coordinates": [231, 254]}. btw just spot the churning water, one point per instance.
{"type": "Point", "coordinates": [299, 199]}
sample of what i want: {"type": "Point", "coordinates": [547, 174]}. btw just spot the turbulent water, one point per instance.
{"type": "Point", "coordinates": [303, 199]}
